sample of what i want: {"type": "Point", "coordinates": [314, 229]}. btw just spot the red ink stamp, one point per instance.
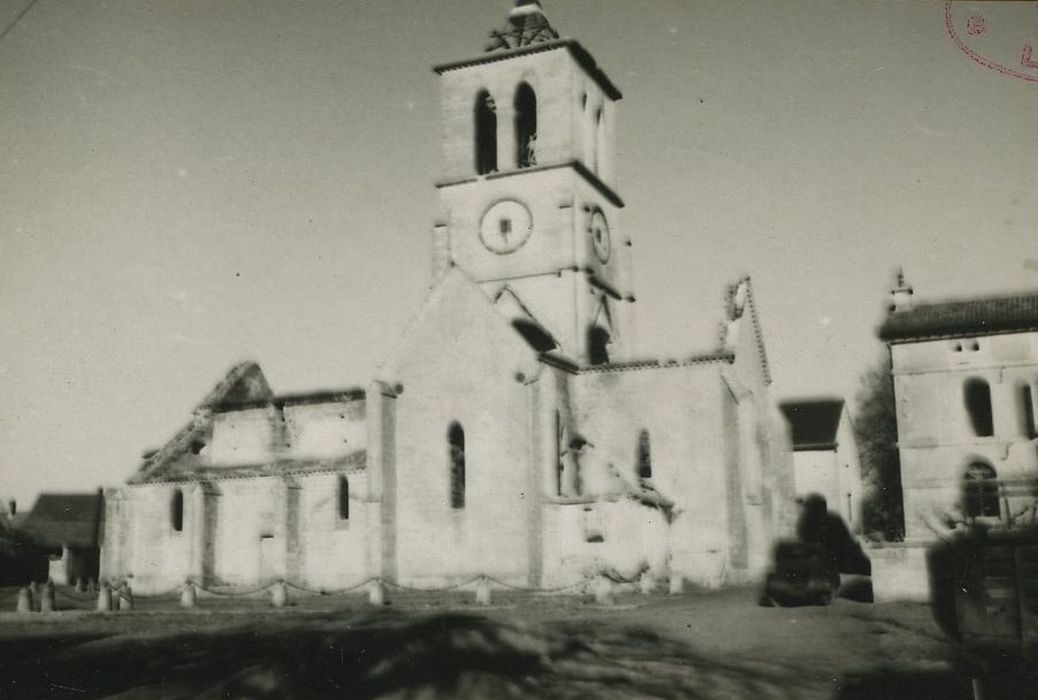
{"type": "Point", "coordinates": [997, 36]}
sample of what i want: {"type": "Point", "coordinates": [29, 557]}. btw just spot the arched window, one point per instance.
{"type": "Point", "coordinates": [456, 455]}
{"type": "Point", "coordinates": [597, 345]}
{"type": "Point", "coordinates": [1025, 398]}
{"type": "Point", "coordinates": [176, 510]}
{"type": "Point", "coordinates": [644, 456]}
{"type": "Point", "coordinates": [600, 149]}
{"type": "Point", "coordinates": [486, 134]}
{"type": "Point", "coordinates": [980, 491]}
{"type": "Point", "coordinates": [525, 126]}
{"type": "Point", "coordinates": [977, 394]}
{"type": "Point", "coordinates": [344, 498]}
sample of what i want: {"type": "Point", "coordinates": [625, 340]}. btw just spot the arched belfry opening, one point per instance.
{"type": "Point", "coordinates": [486, 133]}
{"type": "Point", "coordinates": [456, 457]}
{"type": "Point", "coordinates": [977, 396]}
{"type": "Point", "coordinates": [598, 340]}
{"type": "Point", "coordinates": [525, 126]}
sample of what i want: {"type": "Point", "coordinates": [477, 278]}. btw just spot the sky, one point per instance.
{"type": "Point", "coordinates": [188, 184]}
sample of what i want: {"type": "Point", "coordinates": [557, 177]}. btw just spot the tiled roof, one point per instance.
{"type": "Point", "coordinates": [70, 519]}
{"type": "Point", "coordinates": [814, 422]}
{"type": "Point", "coordinates": [970, 317]}
{"type": "Point", "coordinates": [188, 467]}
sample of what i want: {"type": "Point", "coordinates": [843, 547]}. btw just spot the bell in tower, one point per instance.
{"type": "Point", "coordinates": [529, 201]}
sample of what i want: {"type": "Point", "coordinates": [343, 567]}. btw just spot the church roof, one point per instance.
{"type": "Point", "coordinates": [65, 519]}
{"type": "Point", "coordinates": [814, 422]}
{"type": "Point", "coordinates": [188, 467]}
{"type": "Point", "coordinates": [961, 318]}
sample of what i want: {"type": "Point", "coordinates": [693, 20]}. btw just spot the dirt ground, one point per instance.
{"type": "Point", "coordinates": [718, 644]}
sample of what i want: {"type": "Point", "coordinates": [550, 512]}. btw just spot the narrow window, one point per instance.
{"type": "Point", "coordinates": [978, 404]}
{"type": "Point", "coordinates": [597, 345]}
{"type": "Point", "coordinates": [344, 498]}
{"type": "Point", "coordinates": [1026, 400]}
{"type": "Point", "coordinates": [599, 142]}
{"type": "Point", "coordinates": [525, 126]}
{"type": "Point", "coordinates": [176, 511]}
{"type": "Point", "coordinates": [456, 450]}
{"type": "Point", "coordinates": [593, 526]}
{"type": "Point", "coordinates": [644, 456]}
{"type": "Point", "coordinates": [486, 134]}
{"type": "Point", "coordinates": [560, 435]}
{"type": "Point", "coordinates": [980, 492]}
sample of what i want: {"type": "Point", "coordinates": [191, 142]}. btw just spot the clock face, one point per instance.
{"type": "Point", "coordinates": [505, 227]}
{"type": "Point", "coordinates": [600, 235]}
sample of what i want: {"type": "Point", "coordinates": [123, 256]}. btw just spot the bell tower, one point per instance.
{"type": "Point", "coordinates": [529, 202]}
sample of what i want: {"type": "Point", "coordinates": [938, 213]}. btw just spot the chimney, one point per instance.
{"type": "Point", "coordinates": [12, 507]}
{"type": "Point", "coordinates": [902, 293]}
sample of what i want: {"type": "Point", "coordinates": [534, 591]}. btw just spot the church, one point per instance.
{"type": "Point", "coordinates": [511, 432]}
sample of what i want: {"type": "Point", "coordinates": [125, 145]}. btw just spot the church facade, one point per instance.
{"type": "Point", "coordinates": [511, 432]}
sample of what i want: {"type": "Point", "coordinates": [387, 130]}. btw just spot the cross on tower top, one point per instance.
{"type": "Point", "coordinates": [527, 24]}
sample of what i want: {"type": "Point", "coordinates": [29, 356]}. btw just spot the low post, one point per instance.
{"type": "Point", "coordinates": [34, 595]}
{"type": "Point", "coordinates": [647, 583]}
{"type": "Point", "coordinates": [125, 597]}
{"type": "Point", "coordinates": [376, 593]}
{"type": "Point", "coordinates": [603, 590]}
{"type": "Point", "coordinates": [188, 595]}
{"type": "Point", "coordinates": [279, 594]}
{"type": "Point", "coordinates": [104, 598]}
{"type": "Point", "coordinates": [482, 591]}
{"type": "Point", "coordinates": [24, 600]}
{"type": "Point", "coordinates": [677, 584]}
{"type": "Point", "coordinates": [47, 600]}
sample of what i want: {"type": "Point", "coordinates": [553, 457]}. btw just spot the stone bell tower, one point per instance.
{"type": "Point", "coordinates": [529, 200]}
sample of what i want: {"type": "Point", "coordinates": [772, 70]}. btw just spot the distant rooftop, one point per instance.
{"type": "Point", "coordinates": [814, 422]}
{"type": "Point", "coordinates": [65, 519]}
{"type": "Point", "coordinates": [962, 318]}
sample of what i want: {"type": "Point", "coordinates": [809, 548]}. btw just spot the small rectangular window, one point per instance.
{"type": "Point", "coordinates": [505, 226]}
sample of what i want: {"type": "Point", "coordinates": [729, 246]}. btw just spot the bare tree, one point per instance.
{"type": "Point", "coordinates": [875, 428]}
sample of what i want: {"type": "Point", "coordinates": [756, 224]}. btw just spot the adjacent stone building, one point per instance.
{"type": "Point", "coordinates": [510, 432]}
{"type": "Point", "coordinates": [825, 455]}
{"type": "Point", "coordinates": [965, 380]}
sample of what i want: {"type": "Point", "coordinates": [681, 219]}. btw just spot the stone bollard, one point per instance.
{"type": "Point", "coordinates": [279, 594]}
{"type": "Point", "coordinates": [125, 597]}
{"type": "Point", "coordinates": [34, 595]}
{"type": "Point", "coordinates": [104, 598]}
{"type": "Point", "coordinates": [603, 591]}
{"type": "Point", "coordinates": [677, 584]}
{"type": "Point", "coordinates": [376, 593]}
{"type": "Point", "coordinates": [482, 591]}
{"type": "Point", "coordinates": [188, 596]}
{"type": "Point", "coordinates": [24, 600]}
{"type": "Point", "coordinates": [47, 599]}
{"type": "Point", "coordinates": [647, 583]}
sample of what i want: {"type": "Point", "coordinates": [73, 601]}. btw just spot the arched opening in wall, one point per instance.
{"type": "Point", "coordinates": [525, 126]}
{"type": "Point", "coordinates": [486, 133]}
{"type": "Point", "coordinates": [644, 456]}
{"type": "Point", "coordinates": [176, 510]}
{"type": "Point", "coordinates": [598, 345]}
{"type": "Point", "coordinates": [1025, 401]}
{"type": "Point", "coordinates": [599, 141]}
{"type": "Point", "coordinates": [538, 338]}
{"type": "Point", "coordinates": [456, 456]}
{"type": "Point", "coordinates": [344, 498]}
{"type": "Point", "coordinates": [560, 451]}
{"type": "Point", "coordinates": [977, 395]}
{"type": "Point", "coordinates": [980, 493]}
